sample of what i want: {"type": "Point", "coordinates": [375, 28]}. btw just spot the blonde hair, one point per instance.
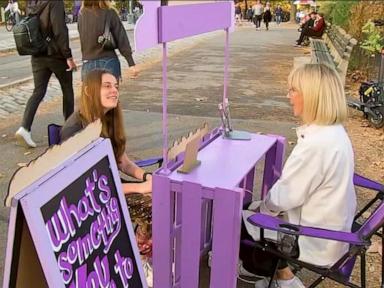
{"type": "Point", "coordinates": [323, 95]}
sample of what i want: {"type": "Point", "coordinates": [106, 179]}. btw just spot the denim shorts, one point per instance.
{"type": "Point", "coordinates": [110, 64]}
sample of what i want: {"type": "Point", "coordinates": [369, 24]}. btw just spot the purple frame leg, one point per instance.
{"type": "Point", "coordinates": [227, 209]}
{"type": "Point", "coordinates": [273, 164]}
{"type": "Point", "coordinates": [190, 234]}
{"type": "Point", "coordinates": [248, 185]}
{"type": "Point", "coordinates": [162, 229]}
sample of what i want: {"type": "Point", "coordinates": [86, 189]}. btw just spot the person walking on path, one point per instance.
{"type": "Point", "coordinates": [267, 16]}
{"type": "Point", "coordinates": [257, 10]}
{"type": "Point", "coordinates": [278, 14]}
{"type": "Point", "coordinates": [76, 10]}
{"type": "Point", "coordinates": [238, 14]}
{"type": "Point", "coordinates": [249, 14]}
{"type": "Point", "coordinates": [13, 8]}
{"type": "Point", "coordinates": [92, 21]}
{"type": "Point", "coordinates": [57, 59]}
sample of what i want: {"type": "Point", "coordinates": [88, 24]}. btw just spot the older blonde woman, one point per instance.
{"type": "Point", "coordinates": [316, 186]}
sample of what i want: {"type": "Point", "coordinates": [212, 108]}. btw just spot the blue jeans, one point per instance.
{"type": "Point", "coordinates": [278, 19]}
{"type": "Point", "coordinates": [110, 64]}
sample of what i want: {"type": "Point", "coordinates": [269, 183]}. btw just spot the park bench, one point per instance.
{"type": "Point", "coordinates": [334, 49]}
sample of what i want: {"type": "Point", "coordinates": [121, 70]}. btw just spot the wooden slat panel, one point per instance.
{"type": "Point", "coordinates": [175, 21]}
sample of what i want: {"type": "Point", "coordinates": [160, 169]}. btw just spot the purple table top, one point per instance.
{"type": "Point", "coordinates": [224, 163]}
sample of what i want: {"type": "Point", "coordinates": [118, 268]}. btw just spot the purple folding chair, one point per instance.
{"type": "Point", "coordinates": [54, 138]}
{"type": "Point", "coordinates": [340, 272]}
{"type": "Point", "coordinates": [364, 182]}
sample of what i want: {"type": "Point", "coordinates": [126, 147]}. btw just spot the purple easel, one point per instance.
{"type": "Point", "coordinates": [199, 211]}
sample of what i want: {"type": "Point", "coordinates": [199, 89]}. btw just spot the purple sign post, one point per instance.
{"type": "Point", "coordinates": [201, 211]}
{"type": "Point", "coordinates": [78, 226]}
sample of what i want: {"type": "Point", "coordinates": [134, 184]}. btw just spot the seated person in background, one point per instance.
{"type": "Point", "coordinates": [317, 30]}
{"type": "Point", "coordinates": [309, 20]}
{"type": "Point", "coordinates": [316, 185]}
{"type": "Point", "coordinates": [100, 100]}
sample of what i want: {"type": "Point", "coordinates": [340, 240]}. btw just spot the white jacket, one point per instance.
{"type": "Point", "coordinates": [316, 189]}
{"type": "Point", "coordinates": [13, 8]}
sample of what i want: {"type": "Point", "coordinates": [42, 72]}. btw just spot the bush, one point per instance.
{"type": "Point", "coordinates": [373, 41]}
{"type": "Point", "coordinates": [337, 12]}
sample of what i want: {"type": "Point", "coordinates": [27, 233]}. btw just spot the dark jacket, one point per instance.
{"type": "Point", "coordinates": [52, 24]}
{"type": "Point", "coordinates": [267, 16]}
{"type": "Point", "coordinates": [319, 26]}
{"type": "Point", "coordinates": [91, 24]}
{"type": "Point", "coordinates": [279, 11]}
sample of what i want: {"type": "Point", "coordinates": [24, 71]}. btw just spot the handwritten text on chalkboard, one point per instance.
{"type": "Point", "coordinates": [83, 232]}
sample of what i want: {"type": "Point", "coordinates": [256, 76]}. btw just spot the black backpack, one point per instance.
{"type": "Point", "coordinates": [29, 38]}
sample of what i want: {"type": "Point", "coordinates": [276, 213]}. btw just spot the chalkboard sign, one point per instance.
{"type": "Point", "coordinates": [88, 232]}
{"type": "Point", "coordinates": [80, 226]}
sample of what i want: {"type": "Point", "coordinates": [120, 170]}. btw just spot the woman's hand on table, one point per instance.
{"type": "Point", "coordinates": [144, 187]}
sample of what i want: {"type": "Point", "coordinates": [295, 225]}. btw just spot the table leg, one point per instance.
{"type": "Point", "coordinates": [227, 207]}
{"type": "Point", "coordinates": [190, 234]}
{"type": "Point", "coordinates": [273, 165]}
{"type": "Point", "coordinates": [248, 185]}
{"type": "Point", "coordinates": [162, 228]}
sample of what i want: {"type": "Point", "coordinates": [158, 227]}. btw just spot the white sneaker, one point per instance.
{"type": "Point", "coordinates": [241, 271]}
{"type": "Point", "coordinates": [24, 138]}
{"type": "Point", "coordinates": [209, 259]}
{"type": "Point", "coordinates": [148, 273]}
{"type": "Point", "coordinates": [295, 282]}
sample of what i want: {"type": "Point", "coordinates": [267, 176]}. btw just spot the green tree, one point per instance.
{"type": "Point", "coordinates": [373, 41]}
{"type": "Point", "coordinates": [337, 12]}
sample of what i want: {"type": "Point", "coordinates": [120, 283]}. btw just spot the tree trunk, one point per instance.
{"type": "Point", "coordinates": [245, 9]}
{"type": "Point", "coordinates": [293, 13]}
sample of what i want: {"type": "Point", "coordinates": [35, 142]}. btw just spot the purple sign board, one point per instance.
{"type": "Point", "coordinates": [80, 226]}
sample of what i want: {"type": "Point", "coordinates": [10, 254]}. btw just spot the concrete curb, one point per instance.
{"type": "Point", "coordinates": [21, 81]}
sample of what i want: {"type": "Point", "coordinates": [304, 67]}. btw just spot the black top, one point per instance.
{"type": "Point", "coordinates": [91, 24]}
{"type": "Point", "coordinates": [267, 16]}
{"type": "Point", "coordinates": [71, 126]}
{"type": "Point", "coordinates": [52, 24]}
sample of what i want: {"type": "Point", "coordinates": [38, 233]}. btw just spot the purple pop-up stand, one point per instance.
{"type": "Point", "coordinates": [201, 210]}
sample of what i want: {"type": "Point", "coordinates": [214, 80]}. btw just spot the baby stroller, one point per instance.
{"type": "Point", "coordinates": [372, 96]}
{"type": "Point", "coordinates": [371, 103]}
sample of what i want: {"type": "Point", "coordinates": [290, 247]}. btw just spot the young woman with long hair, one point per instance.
{"type": "Point", "coordinates": [100, 100]}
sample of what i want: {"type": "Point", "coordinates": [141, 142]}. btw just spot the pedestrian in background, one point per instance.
{"type": "Point", "coordinates": [13, 8]}
{"type": "Point", "coordinates": [249, 14]}
{"type": "Point", "coordinates": [93, 18]}
{"type": "Point", "coordinates": [238, 14]}
{"type": "Point", "coordinates": [257, 10]}
{"type": "Point", "coordinates": [76, 10]}
{"type": "Point", "coordinates": [57, 59]}
{"type": "Point", "coordinates": [267, 16]}
{"type": "Point", "coordinates": [278, 14]}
